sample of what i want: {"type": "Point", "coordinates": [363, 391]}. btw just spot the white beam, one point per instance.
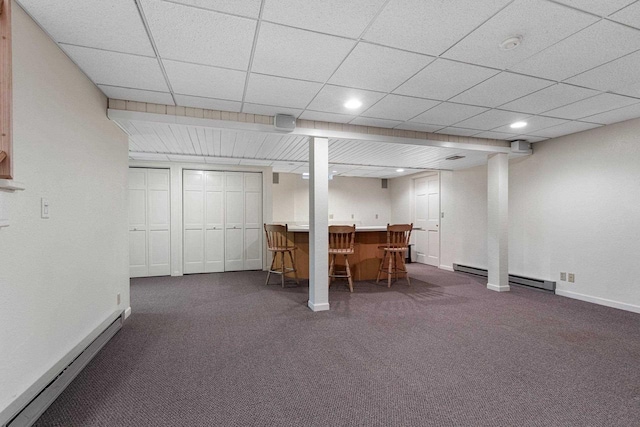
{"type": "Point", "coordinates": [318, 224]}
{"type": "Point", "coordinates": [498, 222]}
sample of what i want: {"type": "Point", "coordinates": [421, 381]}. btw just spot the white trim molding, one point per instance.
{"type": "Point", "coordinates": [600, 301]}
{"type": "Point", "coordinates": [7, 186]}
{"type": "Point", "coordinates": [446, 267]}
{"type": "Point", "coordinates": [318, 307]}
{"type": "Point", "coordinates": [498, 288]}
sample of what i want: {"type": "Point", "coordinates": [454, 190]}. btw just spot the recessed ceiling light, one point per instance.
{"type": "Point", "coordinates": [511, 43]}
{"type": "Point", "coordinates": [352, 104]}
{"type": "Point", "coordinates": [518, 125]}
{"type": "Point", "coordinates": [399, 170]}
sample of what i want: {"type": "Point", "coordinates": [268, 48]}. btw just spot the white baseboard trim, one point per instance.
{"type": "Point", "coordinates": [446, 267]}
{"type": "Point", "coordinates": [127, 312]}
{"type": "Point", "coordinates": [318, 307]}
{"type": "Point", "coordinates": [599, 301]}
{"type": "Point", "coordinates": [497, 288]}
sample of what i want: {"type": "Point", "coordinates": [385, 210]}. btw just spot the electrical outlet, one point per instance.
{"type": "Point", "coordinates": [563, 277]}
{"type": "Point", "coordinates": [118, 299]}
{"type": "Point", "coordinates": [352, 216]}
{"type": "Point", "coordinates": [572, 278]}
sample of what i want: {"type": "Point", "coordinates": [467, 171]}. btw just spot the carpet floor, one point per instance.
{"type": "Point", "coordinates": [226, 350]}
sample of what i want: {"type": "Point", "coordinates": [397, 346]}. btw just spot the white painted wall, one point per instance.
{"type": "Point", "coordinates": [363, 197]}
{"type": "Point", "coordinates": [59, 277]}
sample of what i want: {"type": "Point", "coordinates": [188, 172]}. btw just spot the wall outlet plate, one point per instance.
{"type": "Point", "coordinates": [563, 276]}
{"type": "Point", "coordinates": [572, 278]}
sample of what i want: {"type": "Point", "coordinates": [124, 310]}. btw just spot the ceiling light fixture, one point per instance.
{"type": "Point", "coordinates": [511, 43]}
{"type": "Point", "coordinates": [352, 104]}
{"type": "Point", "coordinates": [518, 125]}
{"type": "Point", "coordinates": [399, 170]}
{"type": "Point", "coordinates": [455, 157]}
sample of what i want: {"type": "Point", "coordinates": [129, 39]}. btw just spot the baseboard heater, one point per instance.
{"type": "Point", "coordinates": [36, 407]}
{"type": "Point", "coordinates": [546, 285]}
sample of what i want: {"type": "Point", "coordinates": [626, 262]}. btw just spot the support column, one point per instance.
{"type": "Point", "coordinates": [318, 223]}
{"type": "Point", "coordinates": [498, 222]}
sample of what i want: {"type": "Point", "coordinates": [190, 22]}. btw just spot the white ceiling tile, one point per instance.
{"type": "Point", "coordinates": [112, 25]}
{"type": "Point", "coordinates": [195, 35]}
{"type": "Point", "coordinates": [495, 135]}
{"type": "Point", "coordinates": [492, 119]}
{"type": "Point", "coordinates": [118, 69]}
{"type": "Point", "coordinates": [115, 92]}
{"type": "Point", "coordinates": [565, 129]}
{"type": "Point", "coordinates": [290, 52]}
{"type": "Point", "coordinates": [525, 18]}
{"type": "Point", "coordinates": [443, 79]}
{"type": "Point", "coordinates": [326, 117]}
{"type": "Point", "coordinates": [619, 73]}
{"type": "Point", "coordinates": [207, 103]}
{"type": "Point", "coordinates": [629, 15]}
{"type": "Point", "coordinates": [396, 107]}
{"type": "Point", "coordinates": [339, 17]}
{"type": "Point", "coordinates": [459, 131]}
{"type": "Point", "coordinates": [629, 90]}
{"type": "Point", "coordinates": [501, 89]}
{"type": "Point", "coordinates": [429, 26]}
{"type": "Point", "coordinates": [614, 116]}
{"type": "Point", "coordinates": [602, 42]}
{"type": "Point", "coordinates": [549, 98]}
{"type": "Point", "coordinates": [533, 124]}
{"type": "Point", "coordinates": [588, 107]}
{"type": "Point", "coordinates": [378, 68]}
{"type": "Point", "coordinates": [332, 98]}
{"type": "Point", "coordinates": [382, 123]}
{"type": "Point", "coordinates": [269, 110]}
{"type": "Point", "coordinates": [279, 91]}
{"type": "Point", "coordinates": [448, 113]}
{"type": "Point", "coordinates": [205, 81]}
{"type": "Point", "coordinates": [255, 162]}
{"type": "Point", "coordinates": [249, 8]}
{"type": "Point", "coordinates": [187, 159]}
{"type": "Point", "coordinates": [599, 7]}
{"type": "Point", "coordinates": [221, 161]}
{"type": "Point", "coordinates": [420, 127]}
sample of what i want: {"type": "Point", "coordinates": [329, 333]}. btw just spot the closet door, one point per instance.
{"type": "Point", "coordinates": [234, 221]}
{"type": "Point", "coordinates": [158, 218]}
{"type": "Point", "coordinates": [214, 222]}
{"type": "Point", "coordinates": [253, 221]}
{"type": "Point", "coordinates": [149, 223]}
{"type": "Point", "coordinates": [193, 221]}
{"type": "Point", "coordinates": [138, 223]}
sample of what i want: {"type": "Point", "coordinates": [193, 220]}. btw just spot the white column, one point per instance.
{"type": "Point", "coordinates": [498, 222]}
{"type": "Point", "coordinates": [318, 223]}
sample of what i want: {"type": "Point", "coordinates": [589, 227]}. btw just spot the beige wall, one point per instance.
{"type": "Point", "coordinates": [364, 198]}
{"type": "Point", "coordinates": [59, 277]}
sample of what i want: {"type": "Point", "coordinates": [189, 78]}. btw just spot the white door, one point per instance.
{"type": "Point", "coordinates": [234, 221]}
{"type": "Point", "coordinates": [149, 223]}
{"type": "Point", "coordinates": [253, 221]}
{"type": "Point", "coordinates": [214, 222]}
{"type": "Point", "coordinates": [427, 220]}
{"type": "Point", "coordinates": [193, 221]}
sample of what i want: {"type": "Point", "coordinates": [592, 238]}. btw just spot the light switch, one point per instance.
{"type": "Point", "coordinates": [44, 208]}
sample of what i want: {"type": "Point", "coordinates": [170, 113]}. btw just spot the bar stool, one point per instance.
{"type": "Point", "coordinates": [341, 242]}
{"type": "Point", "coordinates": [278, 243]}
{"type": "Point", "coordinates": [397, 244]}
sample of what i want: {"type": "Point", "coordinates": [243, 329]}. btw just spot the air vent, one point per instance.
{"type": "Point", "coordinates": [455, 157]}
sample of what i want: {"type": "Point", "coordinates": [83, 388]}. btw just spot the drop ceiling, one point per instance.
{"type": "Point", "coordinates": [425, 65]}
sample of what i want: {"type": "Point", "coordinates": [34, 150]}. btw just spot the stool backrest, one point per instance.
{"type": "Point", "coordinates": [277, 236]}
{"type": "Point", "coordinates": [398, 235]}
{"type": "Point", "coordinates": [342, 236]}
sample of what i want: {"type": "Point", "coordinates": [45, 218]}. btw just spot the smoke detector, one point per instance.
{"type": "Point", "coordinates": [511, 43]}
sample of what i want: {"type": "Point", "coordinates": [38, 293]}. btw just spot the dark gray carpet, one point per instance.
{"type": "Point", "coordinates": [224, 350]}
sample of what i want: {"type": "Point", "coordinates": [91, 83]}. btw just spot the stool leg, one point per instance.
{"type": "Point", "coordinates": [404, 266]}
{"type": "Point", "coordinates": [346, 263]}
{"type": "Point", "coordinates": [390, 271]}
{"type": "Point", "coordinates": [332, 266]}
{"type": "Point", "coordinates": [283, 268]}
{"type": "Point", "coordinates": [293, 265]}
{"type": "Point", "coordinates": [273, 262]}
{"type": "Point", "coordinates": [384, 257]}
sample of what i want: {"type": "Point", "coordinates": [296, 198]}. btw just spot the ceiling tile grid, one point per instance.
{"type": "Point", "coordinates": [577, 61]}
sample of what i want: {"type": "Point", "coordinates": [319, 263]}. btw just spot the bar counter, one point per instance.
{"type": "Point", "coordinates": [364, 262]}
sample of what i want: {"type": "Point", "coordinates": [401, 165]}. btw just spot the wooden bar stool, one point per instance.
{"type": "Point", "coordinates": [397, 245]}
{"type": "Point", "coordinates": [341, 242]}
{"type": "Point", "coordinates": [278, 243]}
